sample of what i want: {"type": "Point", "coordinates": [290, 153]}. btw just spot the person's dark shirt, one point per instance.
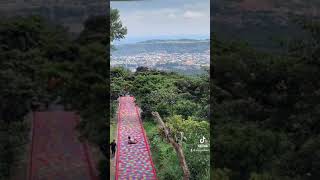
{"type": "Point", "coordinates": [113, 145]}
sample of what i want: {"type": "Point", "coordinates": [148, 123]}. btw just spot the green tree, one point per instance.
{"type": "Point", "coordinates": [117, 30]}
{"type": "Point", "coordinates": [193, 130]}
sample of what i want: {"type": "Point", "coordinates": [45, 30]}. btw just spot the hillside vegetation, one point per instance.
{"type": "Point", "coordinates": [183, 102]}
{"type": "Point", "coordinates": [266, 110]}
{"type": "Point", "coordinates": [39, 63]}
{"type": "Point", "coordinates": [261, 23]}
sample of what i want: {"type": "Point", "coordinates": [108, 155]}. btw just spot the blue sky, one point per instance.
{"type": "Point", "coordinates": [165, 19]}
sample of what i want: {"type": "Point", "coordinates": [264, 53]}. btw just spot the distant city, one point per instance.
{"type": "Point", "coordinates": [184, 55]}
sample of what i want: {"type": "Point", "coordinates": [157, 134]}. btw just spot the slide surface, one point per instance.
{"type": "Point", "coordinates": [56, 152]}
{"type": "Point", "coordinates": [134, 161]}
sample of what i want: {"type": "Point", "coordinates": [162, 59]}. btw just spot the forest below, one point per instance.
{"type": "Point", "coordinates": [40, 62]}
{"type": "Point", "coordinates": [265, 109]}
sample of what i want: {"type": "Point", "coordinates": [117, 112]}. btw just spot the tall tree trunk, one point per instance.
{"type": "Point", "coordinates": [177, 147]}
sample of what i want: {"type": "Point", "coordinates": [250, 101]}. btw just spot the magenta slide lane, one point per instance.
{"type": "Point", "coordinates": [133, 161]}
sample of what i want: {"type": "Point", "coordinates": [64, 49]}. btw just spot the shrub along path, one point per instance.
{"type": "Point", "coordinates": [134, 161]}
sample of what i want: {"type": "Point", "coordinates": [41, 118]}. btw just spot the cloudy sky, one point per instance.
{"type": "Point", "coordinates": [169, 19]}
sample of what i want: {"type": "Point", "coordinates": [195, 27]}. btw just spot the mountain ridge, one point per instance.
{"type": "Point", "coordinates": [172, 41]}
{"type": "Point", "coordinates": [168, 46]}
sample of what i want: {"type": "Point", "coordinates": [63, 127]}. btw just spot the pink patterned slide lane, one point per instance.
{"type": "Point", "coordinates": [133, 161]}
{"type": "Point", "coordinates": [56, 152]}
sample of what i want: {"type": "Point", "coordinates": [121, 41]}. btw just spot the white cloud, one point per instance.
{"type": "Point", "coordinates": [193, 14]}
{"type": "Point", "coordinates": [172, 15]}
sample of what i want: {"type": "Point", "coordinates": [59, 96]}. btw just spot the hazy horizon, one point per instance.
{"type": "Point", "coordinates": [164, 19]}
{"type": "Point", "coordinates": [137, 39]}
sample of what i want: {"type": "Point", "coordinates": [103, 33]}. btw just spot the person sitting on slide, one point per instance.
{"type": "Point", "coordinates": [134, 141]}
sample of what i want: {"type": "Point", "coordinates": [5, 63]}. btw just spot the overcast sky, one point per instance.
{"type": "Point", "coordinates": [165, 18]}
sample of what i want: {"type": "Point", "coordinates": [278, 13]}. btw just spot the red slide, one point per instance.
{"type": "Point", "coordinates": [133, 160]}
{"type": "Point", "coordinates": [56, 152]}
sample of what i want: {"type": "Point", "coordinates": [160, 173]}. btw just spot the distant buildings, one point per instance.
{"type": "Point", "coordinates": [164, 61]}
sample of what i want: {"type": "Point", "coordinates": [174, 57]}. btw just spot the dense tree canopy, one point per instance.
{"type": "Point", "coordinates": [265, 110]}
